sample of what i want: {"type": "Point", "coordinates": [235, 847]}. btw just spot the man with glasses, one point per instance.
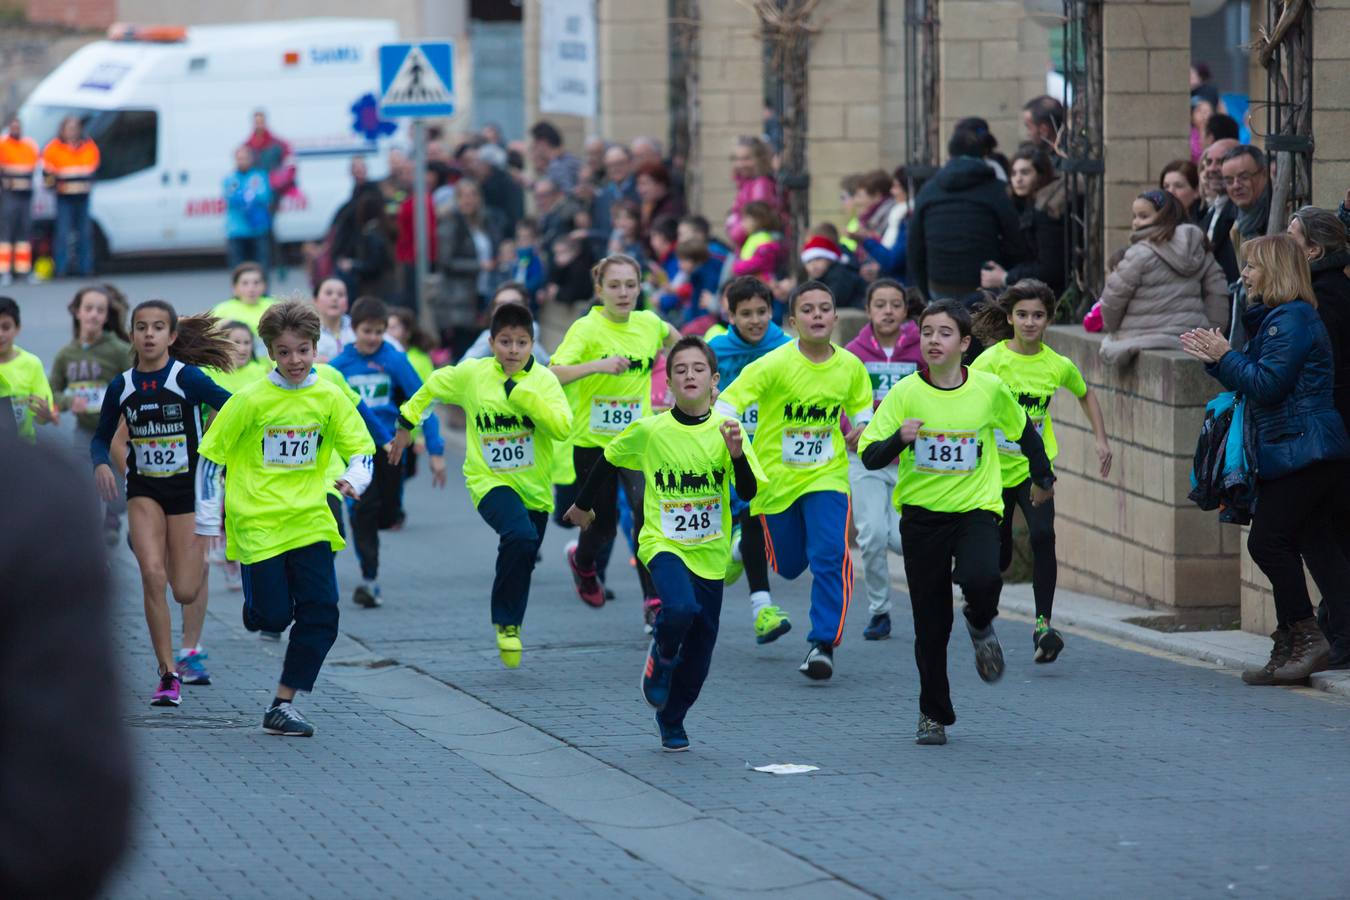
{"type": "Point", "coordinates": [1220, 213]}
{"type": "Point", "coordinates": [1246, 176]}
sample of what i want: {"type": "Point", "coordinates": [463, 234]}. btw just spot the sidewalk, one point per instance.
{"type": "Point", "coordinates": [1096, 617]}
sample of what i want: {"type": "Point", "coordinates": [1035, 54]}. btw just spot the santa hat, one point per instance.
{"type": "Point", "coordinates": [820, 247]}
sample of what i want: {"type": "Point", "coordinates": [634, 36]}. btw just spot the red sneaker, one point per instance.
{"type": "Point", "coordinates": [588, 585]}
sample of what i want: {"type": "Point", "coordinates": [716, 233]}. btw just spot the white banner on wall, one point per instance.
{"type": "Point", "coordinates": [567, 59]}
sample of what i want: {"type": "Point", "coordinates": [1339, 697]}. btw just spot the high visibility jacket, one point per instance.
{"type": "Point", "coordinates": [71, 169]}
{"type": "Point", "coordinates": [18, 158]}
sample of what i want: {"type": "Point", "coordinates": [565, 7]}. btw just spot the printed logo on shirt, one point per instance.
{"type": "Point", "coordinates": [642, 366]}
{"type": "Point", "coordinates": [173, 411]}
{"type": "Point", "coordinates": [1034, 404]}
{"type": "Point", "coordinates": [500, 423]}
{"type": "Point", "coordinates": [669, 481]}
{"type": "Point", "coordinates": [811, 414]}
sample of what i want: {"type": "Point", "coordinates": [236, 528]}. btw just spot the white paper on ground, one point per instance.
{"type": "Point", "coordinates": [783, 768]}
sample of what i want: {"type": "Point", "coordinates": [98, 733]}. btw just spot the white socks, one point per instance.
{"type": "Point", "coordinates": [759, 600]}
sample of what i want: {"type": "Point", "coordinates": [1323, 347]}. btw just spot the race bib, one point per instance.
{"type": "Point", "coordinates": [886, 375]}
{"type": "Point", "coordinates": [692, 521]}
{"type": "Point", "coordinates": [290, 446]}
{"type": "Point", "coordinates": [373, 388]}
{"type": "Point", "coordinates": [805, 448]}
{"type": "Point", "coordinates": [508, 452]}
{"type": "Point", "coordinates": [610, 415]}
{"type": "Point", "coordinates": [1012, 447]}
{"type": "Point", "coordinates": [91, 391]}
{"type": "Point", "coordinates": [160, 457]}
{"type": "Point", "coordinates": [750, 420]}
{"type": "Point", "coordinates": [946, 452]}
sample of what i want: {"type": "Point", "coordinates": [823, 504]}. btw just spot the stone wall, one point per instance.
{"type": "Point", "coordinates": [1331, 101]}
{"type": "Point", "coordinates": [731, 82]}
{"type": "Point", "coordinates": [1146, 107]}
{"type": "Point", "coordinates": [1135, 537]}
{"type": "Point", "coordinates": [634, 48]}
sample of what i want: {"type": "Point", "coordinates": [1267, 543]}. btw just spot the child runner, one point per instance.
{"type": "Point", "coordinates": [516, 416]}
{"type": "Point", "coordinates": [275, 440]}
{"type": "Point", "coordinates": [249, 301]}
{"type": "Point", "coordinates": [752, 334]}
{"type": "Point", "coordinates": [605, 364]}
{"type": "Point", "coordinates": [509, 292]}
{"type": "Point", "coordinates": [941, 424]}
{"type": "Point", "coordinates": [888, 346]}
{"type": "Point", "coordinates": [385, 379]}
{"type": "Point", "coordinates": [1014, 331]}
{"type": "Point", "coordinates": [802, 389]}
{"type": "Point", "coordinates": [689, 458]}
{"type": "Point", "coordinates": [29, 393]}
{"type": "Point", "coordinates": [417, 344]}
{"type": "Point", "coordinates": [160, 399]}
{"type": "Point", "coordinates": [83, 368]}
{"type": "Point", "coordinates": [335, 326]}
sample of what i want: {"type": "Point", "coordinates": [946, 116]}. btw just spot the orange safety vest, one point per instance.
{"type": "Point", "coordinates": [18, 158]}
{"type": "Point", "coordinates": [70, 168]}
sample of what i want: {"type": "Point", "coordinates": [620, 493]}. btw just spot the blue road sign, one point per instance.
{"type": "Point", "coordinates": [417, 79]}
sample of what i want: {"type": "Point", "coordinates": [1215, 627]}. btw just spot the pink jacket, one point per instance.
{"type": "Point", "coordinates": [763, 263]}
{"type": "Point", "coordinates": [883, 372]}
{"type": "Point", "coordinates": [749, 190]}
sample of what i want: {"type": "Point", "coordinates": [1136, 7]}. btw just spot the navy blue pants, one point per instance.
{"type": "Point", "coordinates": [686, 629]}
{"type": "Point", "coordinates": [297, 586]}
{"type": "Point", "coordinates": [813, 532]}
{"type": "Point", "coordinates": [521, 531]}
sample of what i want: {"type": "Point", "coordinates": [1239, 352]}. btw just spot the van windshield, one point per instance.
{"type": "Point", "coordinates": [128, 139]}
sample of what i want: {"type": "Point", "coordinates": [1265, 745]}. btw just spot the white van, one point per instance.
{"type": "Point", "coordinates": [168, 108]}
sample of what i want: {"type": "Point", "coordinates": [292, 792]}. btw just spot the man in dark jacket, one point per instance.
{"type": "Point", "coordinates": [962, 217]}
{"type": "Point", "coordinates": [500, 190]}
{"type": "Point", "coordinates": [1220, 212]}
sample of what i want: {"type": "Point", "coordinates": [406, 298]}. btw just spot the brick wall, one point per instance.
{"type": "Point", "coordinates": [731, 82]}
{"type": "Point", "coordinates": [1146, 108]}
{"type": "Point", "coordinates": [1134, 537]}
{"type": "Point", "coordinates": [634, 49]}
{"type": "Point", "coordinates": [73, 13]}
{"type": "Point", "coordinates": [1331, 101]}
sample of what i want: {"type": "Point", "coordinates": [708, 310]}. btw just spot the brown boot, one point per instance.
{"type": "Point", "coordinates": [1279, 655]}
{"type": "Point", "coordinates": [1311, 653]}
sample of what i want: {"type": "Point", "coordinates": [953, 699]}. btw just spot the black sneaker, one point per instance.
{"type": "Point", "coordinates": [878, 629]}
{"type": "Point", "coordinates": [931, 732]}
{"type": "Point", "coordinates": [364, 597]}
{"type": "Point", "coordinates": [819, 662]}
{"type": "Point", "coordinates": [285, 720]}
{"type": "Point", "coordinates": [1047, 640]}
{"type": "Point", "coordinates": [674, 739]}
{"type": "Point", "coordinates": [988, 652]}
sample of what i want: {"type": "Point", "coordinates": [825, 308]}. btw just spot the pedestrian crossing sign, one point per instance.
{"type": "Point", "coordinates": [417, 79]}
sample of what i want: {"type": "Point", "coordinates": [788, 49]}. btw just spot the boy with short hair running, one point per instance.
{"type": "Point", "coordinates": [1013, 330]}
{"type": "Point", "coordinates": [689, 458]}
{"type": "Point", "coordinates": [888, 346]}
{"type": "Point", "coordinates": [751, 334]}
{"type": "Point", "coordinates": [941, 423]}
{"type": "Point", "coordinates": [249, 300]}
{"type": "Point", "coordinates": [275, 439]}
{"type": "Point", "coordinates": [605, 365]}
{"type": "Point", "coordinates": [802, 389]}
{"type": "Point", "coordinates": [30, 394]}
{"type": "Point", "coordinates": [160, 398]}
{"type": "Point", "coordinates": [516, 418]}
{"type": "Point", "coordinates": [385, 380]}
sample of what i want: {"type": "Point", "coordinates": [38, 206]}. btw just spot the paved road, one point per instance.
{"type": "Point", "coordinates": [435, 772]}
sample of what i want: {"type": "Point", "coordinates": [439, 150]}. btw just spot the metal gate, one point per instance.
{"type": "Point", "coordinates": [1287, 54]}
{"type": "Point", "coordinates": [1080, 153]}
{"type": "Point", "coordinates": [922, 140]}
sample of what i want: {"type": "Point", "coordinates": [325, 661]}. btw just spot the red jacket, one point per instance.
{"type": "Point", "coordinates": [404, 251]}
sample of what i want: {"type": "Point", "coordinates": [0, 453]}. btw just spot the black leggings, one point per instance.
{"type": "Point", "coordinates": [1041, 525]}
{"type": "Point", "coordinates": [600, 536]}
{"type": "Point", "coordinates": [1296, 521]}
{"type": "Point", "coordinates": [752, 552]}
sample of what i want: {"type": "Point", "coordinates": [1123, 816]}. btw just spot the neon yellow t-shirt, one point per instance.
{"type": "Point", "coordinates": [1033, 380]}
{"type": "Point", "coordinates": [25, 378]}
{"type": "Point", "coordinates": [953, 466]}
{"type": "Point", "coordinates": [276, 445]}
{"type": "Point", "coordinates": [511, 440]}
{"type": "Point", "coordinates": [797, 437]}
{"type": "Point", "coordinates": [604, 405]}
{"type": "Point", "coordinates": [236, 310]}
{"type": "Point", "coordinates": [686, 509]}
{"type": "Point", "coordinates": [337, 464]}
{"type": "Point", "coordinates": [235, 379]}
